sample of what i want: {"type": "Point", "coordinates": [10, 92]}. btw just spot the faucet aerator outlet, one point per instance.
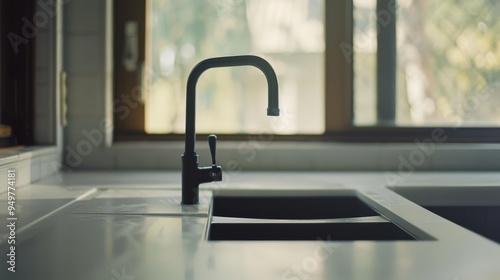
{"type": "Point", "coordinates": [273, 112]}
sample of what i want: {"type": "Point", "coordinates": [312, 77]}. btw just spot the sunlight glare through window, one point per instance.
{"type": "Point", "coordinates": [288, 33]}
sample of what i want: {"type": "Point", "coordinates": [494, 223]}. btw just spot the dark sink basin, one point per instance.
{"type": "Point", "coordinates": [299, 218]}
{"type": "Point", "coordinates": [303, 232]}
{"type": "Point", "coordinates": [275, 207]}
{"type": "Point", "coordinates": [475, 208]}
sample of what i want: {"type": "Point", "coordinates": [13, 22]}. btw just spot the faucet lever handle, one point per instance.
{"type": "Point", "coordinates": [212, 143]}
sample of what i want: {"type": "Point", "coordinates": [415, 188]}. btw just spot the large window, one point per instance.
{"type": "Point", "coordinates": [446, 66]}
{"type": "Point", "coordinates": [179, 34]}
{"type": "Point", "coordinates": [288, 33]}
{"type": "Point", "coordinates": [353, 70]}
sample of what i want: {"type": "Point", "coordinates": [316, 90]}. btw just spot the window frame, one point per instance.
{"type": "Point", "coordinates": [339, 93]}
{"type": "Point", "coordinates": [17, 75]}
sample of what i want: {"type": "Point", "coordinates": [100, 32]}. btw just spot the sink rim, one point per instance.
{"type": "Point", "coordinates": [383, 207]}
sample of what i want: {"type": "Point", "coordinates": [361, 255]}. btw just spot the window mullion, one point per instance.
{"type": "Point", "coordinates": [386, 63]}
{"type": "Point", "coordinates": [339, 51]}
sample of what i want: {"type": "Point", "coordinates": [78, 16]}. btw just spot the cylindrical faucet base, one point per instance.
{"type": "Point", "coordinates": [190, 184]}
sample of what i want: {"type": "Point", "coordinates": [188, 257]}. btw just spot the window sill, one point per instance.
{"type": "Point", "coordinates": [318, 156]}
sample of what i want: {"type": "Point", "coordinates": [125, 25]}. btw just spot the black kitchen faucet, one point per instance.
{"type": "Point", "coordinates": [192, 174]}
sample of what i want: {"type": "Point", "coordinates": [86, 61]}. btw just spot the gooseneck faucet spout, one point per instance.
{"type": "Point", "coordinates": [192, 175]}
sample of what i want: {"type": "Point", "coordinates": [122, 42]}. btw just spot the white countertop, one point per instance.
{"type": "Point", "coordinates": [130, 225]}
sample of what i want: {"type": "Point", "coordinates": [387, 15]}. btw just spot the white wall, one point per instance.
{"type": "Point", "coordinates": [88, 66]}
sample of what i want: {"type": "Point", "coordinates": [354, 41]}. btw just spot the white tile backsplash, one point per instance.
{"type": "Point", "coordinates": [22, 170]}
{"type": "Point", "coordinates": [44, 129]}
{"type": "Point", "coordinates": [82, 98]}
{"type": "Point", "coordinates": [83, 16]}
{"type": "Point", "coordinates": [49, 165]}
{"type": "Point", "coordinates": [85, 46]}
{"type": "Point", "coordinates": [480, 160]}
{"type": "Point", "coordinates": [137, 159]}
{"type": "Point", "coordinates": [75, 136]}
{"type": "Point", "coordinates": [83, 54]}
{"type": "Point", "coordinates": [36, 166]}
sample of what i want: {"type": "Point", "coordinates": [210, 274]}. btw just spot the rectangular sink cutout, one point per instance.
{"type": "Point", "coordinates": [483, 220]}
{"type": "Point", "coordinates": [301, 218]}
{"type": "Point", "coordinates": [474, 208]}
{"type": "Point", "coordinates": [270, 207]}
{"type": "Point", "coordinates": [309, 232]}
